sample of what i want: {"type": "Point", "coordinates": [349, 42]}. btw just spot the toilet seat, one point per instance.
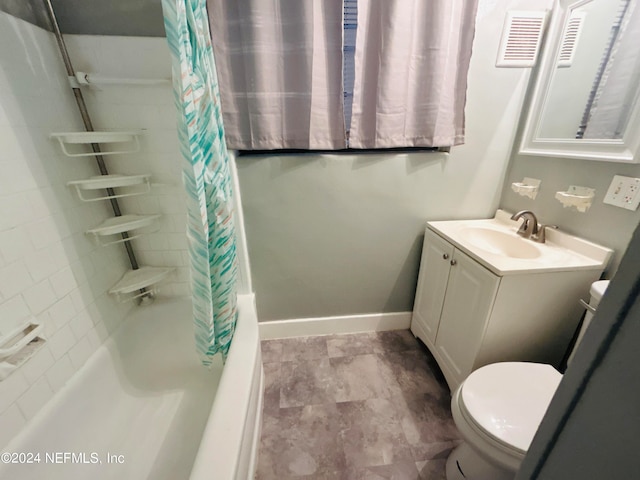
{"type": "Point", "coordinates": [506, 402]}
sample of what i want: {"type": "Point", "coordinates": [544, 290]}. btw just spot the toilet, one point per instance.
{"type": "Point", "coordinates": [498, 409]}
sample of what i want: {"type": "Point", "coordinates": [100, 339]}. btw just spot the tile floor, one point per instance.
{"type": "Point", "coordinates": [357, 406]}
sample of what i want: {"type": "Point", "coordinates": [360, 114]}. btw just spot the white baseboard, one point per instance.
{"type": "Point", "coordinates": [302, 327]}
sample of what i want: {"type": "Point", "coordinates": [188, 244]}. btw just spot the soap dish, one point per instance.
{"type": "Point", "coordinates": [579, 197]}
{"type": "Point", "coordinates": [18, 346]}
{"type": "Point", "coordinates": [528, 187]}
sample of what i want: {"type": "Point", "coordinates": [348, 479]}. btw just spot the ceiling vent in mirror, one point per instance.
{"type": "Point", "coordinates": [521, 39]}
{"type": "Point", "coordinates": [570, 39]}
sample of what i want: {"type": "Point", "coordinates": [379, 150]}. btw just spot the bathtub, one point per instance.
{"type": "Point", "coordinates": [143, 407]}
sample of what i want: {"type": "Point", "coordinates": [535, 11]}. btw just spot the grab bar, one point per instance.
{"type": "Point", "coordinates": [591, 308]}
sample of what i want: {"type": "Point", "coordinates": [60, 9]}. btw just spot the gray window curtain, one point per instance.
{"type": "Point", "coordinates": [279, 65]}
{"type": "Point", "coordinates": [411, 64]}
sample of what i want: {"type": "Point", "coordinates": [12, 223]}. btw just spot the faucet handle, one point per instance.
{"type": "Point", "coordinates": [540, 236]}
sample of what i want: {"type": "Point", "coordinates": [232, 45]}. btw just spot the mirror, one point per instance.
{"type": "Point", "coordinates": [585, 102]}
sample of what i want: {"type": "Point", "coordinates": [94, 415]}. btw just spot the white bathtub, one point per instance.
{"type": "Point", "coordinates": [144, 408]}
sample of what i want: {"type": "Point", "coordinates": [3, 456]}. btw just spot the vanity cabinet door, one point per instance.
{"type": "Point", "coordinates": [432, 284]}
{"type": "Point", "coordinates": [471, 291]}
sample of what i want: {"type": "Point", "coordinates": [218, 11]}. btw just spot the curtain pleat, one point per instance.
{"type": "Point", "coordinates": [411, 64]}
{"type": "Point", "coordinates": [280, 72]}
{"type": "Point", "coordinates": [206, 175]}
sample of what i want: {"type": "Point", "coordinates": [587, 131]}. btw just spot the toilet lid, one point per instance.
{"type": "Point", "coordinates": [508, 400]}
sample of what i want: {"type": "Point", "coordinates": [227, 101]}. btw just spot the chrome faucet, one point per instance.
{"type": "Point", "coordinates": [529, 226]}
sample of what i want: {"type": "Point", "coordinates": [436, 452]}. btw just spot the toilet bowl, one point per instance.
{"type": "Point", "coordinates": [498, 409]}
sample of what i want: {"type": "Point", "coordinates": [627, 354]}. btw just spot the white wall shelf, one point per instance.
{"type": "Point", "coordinates": [121, 224]}
{"type": "Point", "coordinates": [129, 138]}
{"type": "Point", "coordinates": [134, 280]}
{"type": "Point", "coordinates": [100, 182]}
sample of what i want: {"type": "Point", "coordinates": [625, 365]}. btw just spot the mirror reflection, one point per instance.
{"type": "Point", "coordinates": [594, 84]}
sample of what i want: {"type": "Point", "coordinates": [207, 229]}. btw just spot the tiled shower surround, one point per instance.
{"type": "Point", "coordinates": [50, 271]}
{"type": "Point", "coordinates": [358, 406]}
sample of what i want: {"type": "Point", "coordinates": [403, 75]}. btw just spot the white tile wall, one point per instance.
{"type": "Point", "coordinates": [49, 270]}
{"type": "Point", "coordinates": [59, 373]}
{"type": "Point", "coordinates": [39, 296]}
{"type": "Point", "coordinates": [11, 422]}
{"type": "Point", "coordinates": [38, 364]}
{"type": "Point", "coordinates": [34, 399]}
{"type": "Point", "coordinates": [61, 342]}
{"type": "Point", "coordinates": [11, 389]}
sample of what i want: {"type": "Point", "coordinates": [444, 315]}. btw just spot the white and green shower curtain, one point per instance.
{"type": "Point", "coordinates": [206, 174]}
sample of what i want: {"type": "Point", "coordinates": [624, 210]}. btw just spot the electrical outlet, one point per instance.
{"type": "Point", "coordinates": [624, 192]}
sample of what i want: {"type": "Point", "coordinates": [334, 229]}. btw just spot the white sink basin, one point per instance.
{"type": "Point", "coordinates": [495, 243]}
{"type": "Point", "coordinates": [498, 242]}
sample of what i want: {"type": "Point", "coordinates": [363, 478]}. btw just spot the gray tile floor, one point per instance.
{"type": "Point", "coordinates": [358, 406]}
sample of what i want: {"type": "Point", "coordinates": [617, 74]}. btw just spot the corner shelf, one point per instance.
{"type": "Point", "coordinates": [134, 280]}
{"type": "Point", "coordinates": [87, 138]}
{"type": "Point", "coordinates": [121, 224]}
{"type": "Point", "coordinates": [134, 283]}
{"type": "Point", "coordinates": [100, 182]}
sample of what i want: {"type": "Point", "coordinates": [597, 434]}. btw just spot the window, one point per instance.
{"type": "Point", "coordinates": [332, 74]}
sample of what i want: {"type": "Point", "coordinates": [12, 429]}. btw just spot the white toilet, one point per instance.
{"type": "Point", "coordinates": [498, 409]}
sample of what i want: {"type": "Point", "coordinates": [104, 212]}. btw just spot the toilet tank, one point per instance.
{"type": "Point", "coordinates": [597, 291]}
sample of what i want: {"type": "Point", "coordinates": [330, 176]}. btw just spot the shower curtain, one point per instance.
{"type": "Point", "coordinates": [206, 175]}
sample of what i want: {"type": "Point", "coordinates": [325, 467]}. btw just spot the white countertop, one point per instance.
{"type": "Point", "coordinates": [561, 251]}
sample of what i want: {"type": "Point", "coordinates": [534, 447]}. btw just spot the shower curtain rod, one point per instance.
{"type": "Point", "coordinates": [88, 125]}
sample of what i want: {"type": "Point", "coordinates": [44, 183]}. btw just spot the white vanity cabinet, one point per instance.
{"type": "Point", "coordinates": [470, 316]}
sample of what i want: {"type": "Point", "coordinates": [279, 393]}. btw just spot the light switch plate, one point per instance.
{"type": "Point", "coordinates": [624, 192]}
